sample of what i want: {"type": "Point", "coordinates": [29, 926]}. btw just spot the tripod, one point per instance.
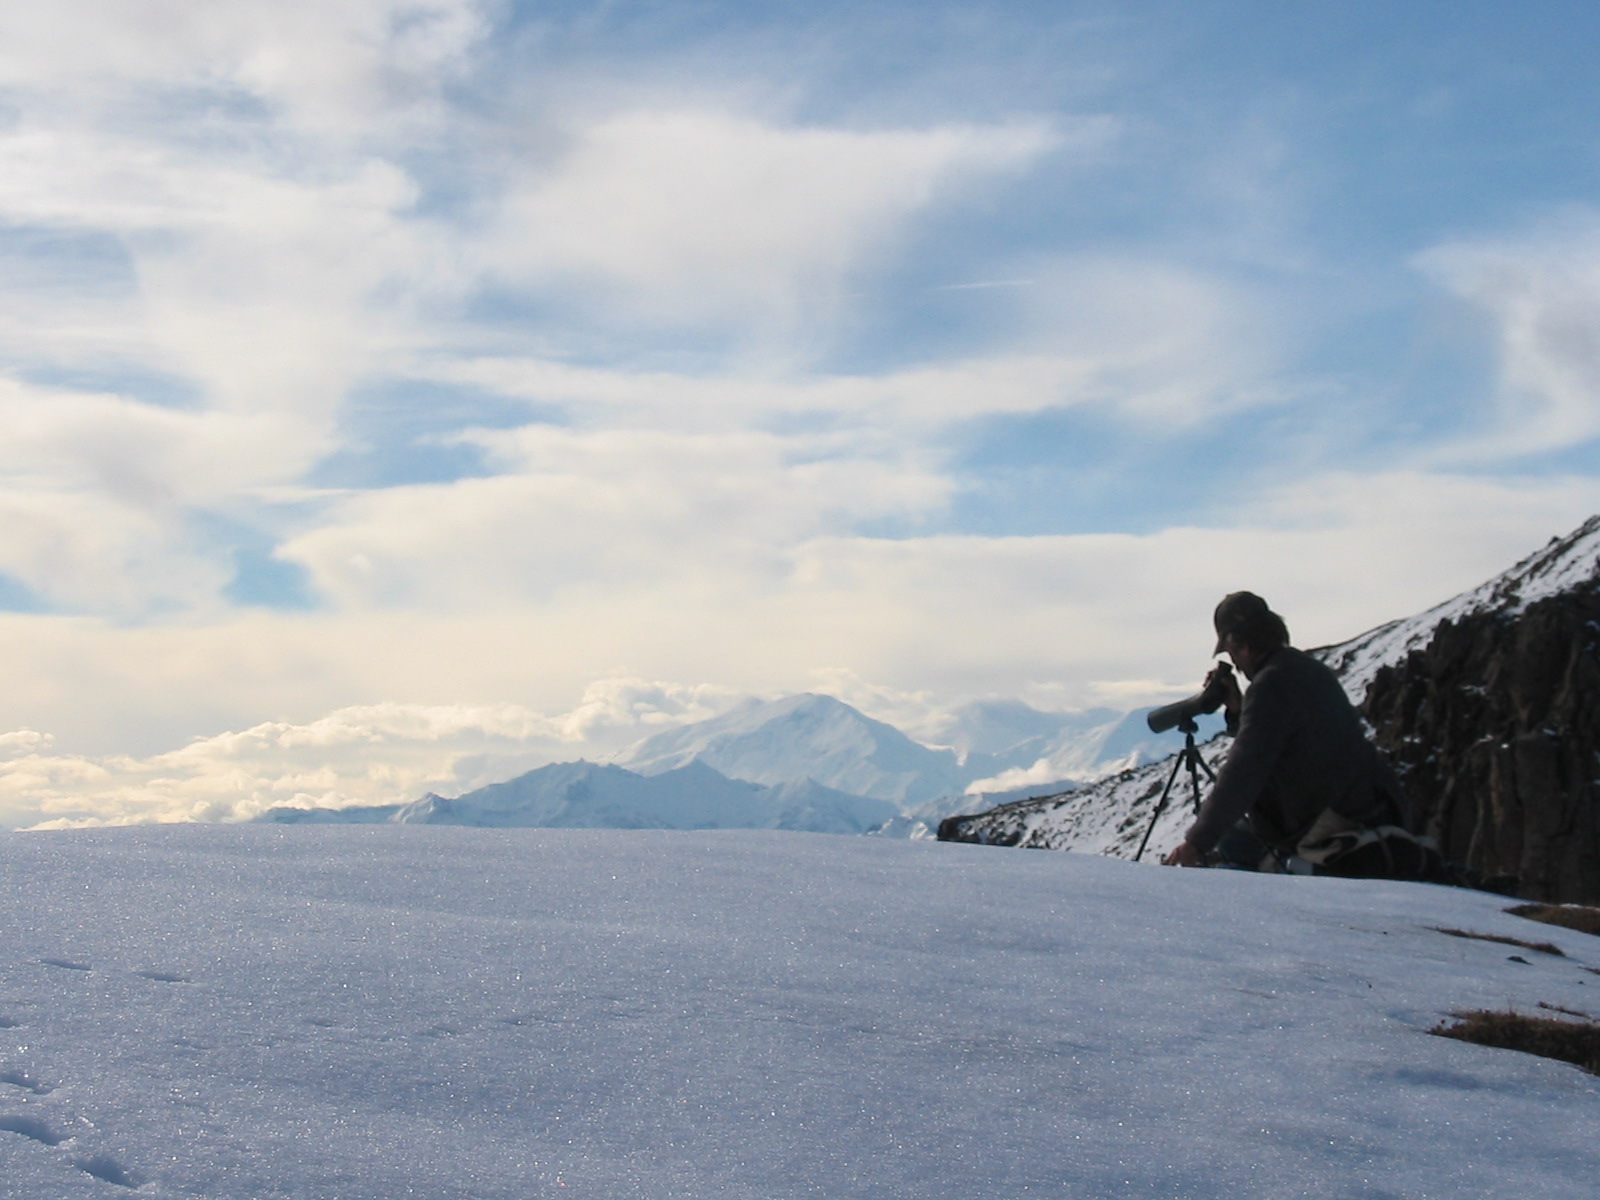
{"type": "Point", "coordinates": [1189, 757]}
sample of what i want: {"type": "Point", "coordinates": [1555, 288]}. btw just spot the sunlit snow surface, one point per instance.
{"type": "Point", "coordinates": [335, 1012]}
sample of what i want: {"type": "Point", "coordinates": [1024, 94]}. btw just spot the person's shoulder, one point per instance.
{"type": "Point", "coordinates": [1297, 671]}
{"type": "Point", "coordinates": [1288, 668]}
{"type": "Point", "coordinates": [1289, 658]}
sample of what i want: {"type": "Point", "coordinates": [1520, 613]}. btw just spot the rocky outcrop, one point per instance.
{"type": "Point", "coordinates": [1495, 728]}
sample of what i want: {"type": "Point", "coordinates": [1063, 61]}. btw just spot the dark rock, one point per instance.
{"type": "Point", "coordinates": [1495, 729]}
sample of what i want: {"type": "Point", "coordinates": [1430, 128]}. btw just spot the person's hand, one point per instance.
{"type": "Point", "coordinates": [1182, 855]}
{"type": "Point", "coordinates": [1232, 696]}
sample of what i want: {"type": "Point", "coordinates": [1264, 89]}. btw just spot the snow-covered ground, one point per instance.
{"type": "Point", "coordinates": [342, 1012]}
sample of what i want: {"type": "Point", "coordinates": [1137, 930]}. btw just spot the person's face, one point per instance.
{"type": "Point", "coordinates": [1245, 658]}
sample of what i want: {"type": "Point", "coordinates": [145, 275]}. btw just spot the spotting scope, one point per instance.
{"type": "Point", "coordinates": [1207, 700]}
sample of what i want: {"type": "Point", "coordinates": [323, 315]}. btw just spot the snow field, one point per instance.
{"type": "Point", "coordinates": [344, 1012]}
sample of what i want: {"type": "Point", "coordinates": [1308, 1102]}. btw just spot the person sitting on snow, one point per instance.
{"type": "Point", "coordinates": [1302, 788]}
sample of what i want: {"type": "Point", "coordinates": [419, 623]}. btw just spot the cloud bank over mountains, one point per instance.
{"type": "Point", "coordinates": [373, 359]}
{"type": "Point", "coordinates": [375, 754]}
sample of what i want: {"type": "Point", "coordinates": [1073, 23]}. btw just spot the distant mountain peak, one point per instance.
{"type": "Point", "coordinates": [800, 736]}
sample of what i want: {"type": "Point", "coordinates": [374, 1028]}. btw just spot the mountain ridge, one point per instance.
{"type": "Point", "coordinates": [587, 795]}
{"type": "Point", "coordinates": [1559, 565]}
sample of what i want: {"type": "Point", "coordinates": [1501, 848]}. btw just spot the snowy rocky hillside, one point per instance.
{"type": "Point", "coordinates": [1494, 726]}
{"type": "Point", "coordinates": [1088, 752]}
{"type": "Point", "coordinates": [250, 1012]}
{"type": "Point", "coordinates": [1560, 566]}
{"type": "Point", "coordinates": [1110, 816]}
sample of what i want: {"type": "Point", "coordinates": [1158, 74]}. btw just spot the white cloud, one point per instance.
{"type": "Point", "coordinates": [246, 254]}
{"type": "Point", "coordinates": [284, 300]}
{"type": "Point", "coordinates": [912, 401]}
{"type": "Point", "coordinates": [24, 742]}
{"type": "Point", "coordinates": [612, 509]}
{"type": "Point", "coordinates": [232, 164]}
{"type": "Point", "coordinates": [96, 494]}
{"type": "Point", "coordinates": [269, 292]}
{"type": "Point", "coordinates": [1157, 341]}
{"type": "Point", "coordinates": [702, 216]}
{"type": "Point", "coordinates": [1542, 294]}
{"type": "Point", "coordinates": [236, 197]}
{"type": "Point", "coordinates": [331, 66]}
{"type": "Point", "coordinates": [139, 454]}
{"type": "Point", "coordinates": [921, 714]}
{"type": "Point", "coordinates": [626, 708]}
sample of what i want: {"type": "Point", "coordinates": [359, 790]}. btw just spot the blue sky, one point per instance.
{"type": "Point", "coordinates": [506, 363]}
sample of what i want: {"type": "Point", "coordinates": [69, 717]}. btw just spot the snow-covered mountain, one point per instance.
{"type": "Point", "coordinates": [1111, 816]}
{"type": "Point", "coordinates": [990, 746]}
{"type": "Point", "coordinates": [808, 737]}
{"type": "Point", "coordinates": [585, 795]}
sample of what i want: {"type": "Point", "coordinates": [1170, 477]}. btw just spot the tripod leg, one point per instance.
{"type": "Point", "coordinates": [1161, 806]}
{"type": "Point", "coordinates": [1196, 763]}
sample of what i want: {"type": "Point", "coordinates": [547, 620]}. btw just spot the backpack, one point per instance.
{"type": "Point", "coordinates": [1359, 852]}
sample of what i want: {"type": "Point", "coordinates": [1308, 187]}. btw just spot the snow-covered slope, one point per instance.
{"type": "Point", "coordinates": [1109, 816]}
{"type": "Point", "coordinates": [1082, 755]}
{"type": "Point", "coordinates": [1562, 564]}
{"type": "Point", "coordinates": [584, 795]}
{"type": "Point", "coordinates": [365, 1013]}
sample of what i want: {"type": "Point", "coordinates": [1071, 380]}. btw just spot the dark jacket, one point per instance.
{"type": "Point", "coordinates": [1299, 750]}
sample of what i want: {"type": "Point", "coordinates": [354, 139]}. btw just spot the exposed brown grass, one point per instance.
{"type": "Point", "coordinates": [1571, 1012]}
{"type": "Point", "coordinates": [1538, 947]}
{"type": "Point", "coordinates": [1549, 1037]}
{"type": "Point", "coordinates": [1568, 916]}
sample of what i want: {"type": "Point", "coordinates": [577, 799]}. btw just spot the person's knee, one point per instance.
{"type": "Point", "coordinates": [1240, 849]}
